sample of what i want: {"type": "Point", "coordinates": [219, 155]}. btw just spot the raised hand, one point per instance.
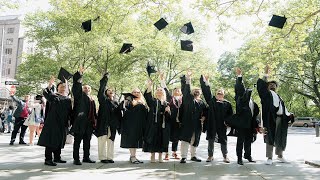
{"type": "Point", "coordinates": [189, 73]}
{"type": "Point", "coordinates": [267, 69]}
{"type": "Point", "coordinates": [81, 70]}
{"type": "Point", "coordinates": [161, 76]}
{"type": "Point", "coordinates": [51, 81]}
{"type": "Point", "coordinates": [149, 83]}
{"type": "Point", "coordinates": [238, 71]}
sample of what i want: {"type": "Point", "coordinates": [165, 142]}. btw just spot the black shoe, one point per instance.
{"type": "Point", "coordinates": [110, 161]}
{"type": "Point", "coordinates": [59, 161]}
{"type": "Point", "coordinates": [195, 159]}
{"type": "Point", "coordinates": [88, 161]}
{"type": "Point", "coordinates": [22, 142]}
{"type": "Point", "coordinates": [250, 159]}
{"type": "Point", "coordinates": [240, 162]}
{"type": "Point", "coordinates": [77, 162]}
{"type": "Point", "coordinates": [50, 163]}
{"type": "Point", "coordinates": [104, 161]}
{"type": "Point", "coordinates": [183, 160]}
{"type": "Point", "coordinates": [11, 143]}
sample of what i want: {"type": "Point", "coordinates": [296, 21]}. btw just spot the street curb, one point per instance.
{"type": "Point", "coordinates": [313, 163]}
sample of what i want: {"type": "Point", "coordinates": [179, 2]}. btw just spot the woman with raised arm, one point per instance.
{"type": "Point", "coordinates": [133, 121]}
{"type": "Point", "coordinates": [54, 132]}
{"type": "Point", "coordinates": [157, 130]}
{"type": "Point", "coordinates": [175, 102]}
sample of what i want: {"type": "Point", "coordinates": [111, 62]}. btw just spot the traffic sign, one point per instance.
{"type": "Point", "coordinates": [11, 83]}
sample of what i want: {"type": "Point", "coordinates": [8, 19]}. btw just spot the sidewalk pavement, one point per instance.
{"type": "Point", "coordinates": [26, 162]}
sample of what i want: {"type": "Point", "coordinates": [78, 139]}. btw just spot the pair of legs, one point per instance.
{"type": "Point", "coordinates": [17, 125]}
{"type": "Point", "coordinates": [244, 142]}
{"type": "Point", "coordinates": [105, 147]}
{"type": "Point", "coordinates": [174, 149]}
{"type": "Point", "coordinates": [224, 149]}
{"type": "Point", "coordinates": [86, 137]}
{"type": "Point", "coordinates": [33, 129]}
{"type": "Point", "coordinates": [56, 155]}
{"type": "Point", "coordinates": [193, 150]}
{"type": "Point", "coordinates": [269, 151]}
{"type": "Point", "coordinates": [153, 158]}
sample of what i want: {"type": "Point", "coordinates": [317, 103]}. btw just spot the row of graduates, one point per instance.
{"type": "Point", "coordinates": [146, 121]}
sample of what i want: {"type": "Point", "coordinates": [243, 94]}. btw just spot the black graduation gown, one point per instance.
{"type": "Point", "coordinates": [132, 124]}
{"type": "Point", "coordinates": [81, 108]}
{"type": "Point", "coordinates": [157, 128]}
{"type": "Point", "coordinates": [175, 111]}
{"type": "Point", "coordinates": [276, 136]}
{"type": "Point", "coordinates": [218, 113]}
{"type": "Point", "coordinates": [108, 113]}
{"type": "Point", "coordinates": [57, 121]}
{"type": "Point", "coordinates": [243, 120]}
{"type": "Point", "coordinates": [192, 112]}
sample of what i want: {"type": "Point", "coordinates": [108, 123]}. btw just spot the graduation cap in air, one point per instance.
{"type": "Point", "coordinates": [64, 75]}
{"type": "Point", "coordinates": [126, 95]}
{"type": "Point", "coordinates": [161, 24]}
{"type": "Point", "coordinates": [86, 26]}
{"type": "Point", "coordinates": [150, 69]}
{"type": "Point", "coordinates": [186, 45]}
{"type": "Point", "coordinates": [126, 48]}
{"type": "Point", "coordinates": [187, 28]}
{"type": "Point", "coordinates": [277, 21]}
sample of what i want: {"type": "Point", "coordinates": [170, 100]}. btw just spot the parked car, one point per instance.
{"type": "Point", "coordinates": [305, 122]}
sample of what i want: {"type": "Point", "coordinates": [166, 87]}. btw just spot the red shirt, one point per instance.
{"type": "Point", "coordinates": [24, 113]}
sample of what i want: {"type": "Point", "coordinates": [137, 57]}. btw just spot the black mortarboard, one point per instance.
{"type": "Point", "coordinates": [150, 69]}
{"type": "Point", "coordinates": [161, 24]}
{"type": "Point", "coordinates": [39, 97]}
{"type": "Point", "coordinates": [129, 95]}
{"type": "Point", "coordinates": [186, 45]}
{"type": "Point", "coordinates": [187, 28]}
{"type": "Point", "coordinates": [126, 48]}
{"type": "Point", "coordinates": [64, 74]}
{"type": "Point", "coordinates": [277, 21]}
{"type": "Point", "coordinates": [86, 26]}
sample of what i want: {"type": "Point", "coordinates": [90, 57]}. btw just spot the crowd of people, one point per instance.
{"type": "Point", "coordinates": [151, 120]}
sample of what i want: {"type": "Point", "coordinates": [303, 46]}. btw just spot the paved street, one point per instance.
{"type": "Point", "coordinates": [26, 162]}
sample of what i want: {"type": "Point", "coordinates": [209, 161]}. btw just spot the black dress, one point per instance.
{"type": "Point", "coordinates": [132, 124]}
{"type": "Point", "coordinates": [192, 111]}
{"type": "Point", "coordinates": [57, 121]}
{"type": "Point", "coordinates": [157, 130]}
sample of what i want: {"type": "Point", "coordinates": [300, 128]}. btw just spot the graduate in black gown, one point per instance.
{"type": "Point", "coordinates": [219, 111]}
{"type": "Point", "coordinates": [57, 122]}
{"type": "Point", "coordinates": [175, 102]}
{"type": "Point", "coordinates": [133, 122]}
{"type": "Point", "coordinates": [246, 119]}
{"type": "Point", "coordinates": [108, 121]}
{"type": "Point", "coordinates": [193, 116]}
{"type": "Point", "coordinates": [85, 118]}
{"type": "Point", "coordinates": [157, 130]}
{"type": "Point", "coordinates": [275, 118]}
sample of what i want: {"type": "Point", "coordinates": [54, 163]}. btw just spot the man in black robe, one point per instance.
{"type": "Point", "coordinates": [193, 116]}
{"type": "Point", "coordinates": [246, 119]}
{"type": "Point", "coordinates": [84, 118]}
{"type": "Point", "coordinates": [219, 111]}
{"type": "Point", "coordinates": [58, 119]}
{"type": "Point", "coordinates": [275, 118]}
{"type": "Point", "coordinates": [108, 121]}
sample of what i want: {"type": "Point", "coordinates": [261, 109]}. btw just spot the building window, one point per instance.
{"type": "Point", "coordinates": [10, 30]}
{"type": "Point", "coordinates": [8, 71]}
{"type": "Point", "coordinates": [9, 60]}
{"type": "Point", "coordinates": [10, 41]}
{"type": "Point", "coordinates": [8, 51]}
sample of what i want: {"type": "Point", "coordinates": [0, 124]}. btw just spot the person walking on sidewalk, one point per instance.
{"type": "Point", "coordinates": [20, 114]}
{"type": "Point", "coordinates": [275, 118]}
{"type": "Point", "coordinates": [85, 118]}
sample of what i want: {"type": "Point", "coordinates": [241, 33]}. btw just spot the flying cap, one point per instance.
{"type": "Point", "coordinates": [187, 28]}
{"type": "Point", "coordinates": [150, 69]}
{"type": "Point", "coordinates": [86, 26]}
{"type": "Point", "coordinates": [64, 75]}
{"type": "Point", "coordinates": [186, 45]}
{"type": "Point", "coordinates": [277, 21]}
{"type": "Point", "coordinates": [126, 48]}
{"type": "Point", "coordinates": [161, 24]}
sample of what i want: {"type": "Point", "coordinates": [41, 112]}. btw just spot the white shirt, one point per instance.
{"type": "Point", "coordinates": [251, 105]}
{"type": "Point", "coordinates": [277, 103]}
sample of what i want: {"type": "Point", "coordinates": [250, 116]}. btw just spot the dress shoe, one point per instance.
{"type": "Point", "coordinates": [134, 160]}
{"type": "Point", "coordinates": [50, 163]}
{"type": "Point", "coordinates": [106, 161]}
{"type": "Point", "coordinates": [282, 160]}
{"type": "Point", "coordinates": [183, 160]}
{"type": "Point", "coordinates": [195, 159]}
{"type": "Point", "coordinates": [22, 142]}
{"type": "Point", "coordinates": [88, 161]}
{"type": "Point", "coordinates": [226, 160]}
{"type": "Point", "coordinates": [77, 162]}
{"type": "Point", "coordinates": [240, 162]}
{"type": "Point", "coordinates": [210, 159]}
{"type": "Point", "coordinates": [110, 161]}
{"type": "Point", "coordinates": [11, 143]}
{"type": "Point", "coordinates": [249, 158]}
{"type": "Point", "coordinates": [59, 161]}
{"type": "Point", "coordinates": [175, 156]}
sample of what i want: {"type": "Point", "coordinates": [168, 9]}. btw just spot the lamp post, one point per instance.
{"type": "Point", "coordinates": [2, 55]}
